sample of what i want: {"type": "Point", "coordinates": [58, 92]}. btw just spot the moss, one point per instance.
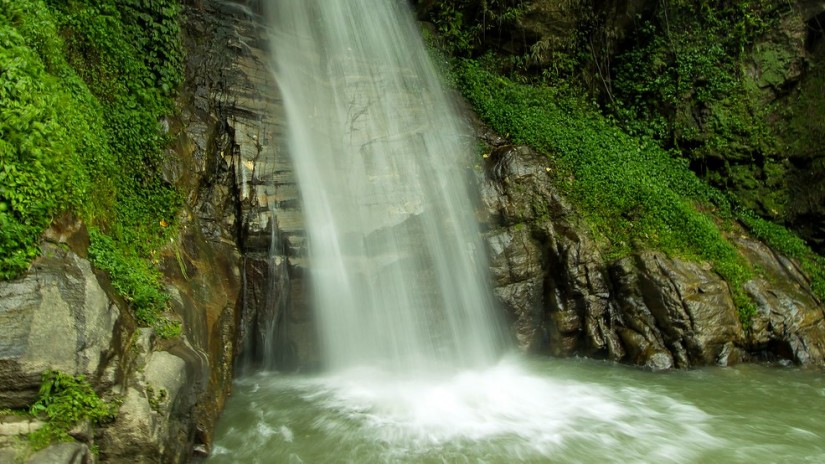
{"type": "Point", "coordinates": [696, 77]}
{"type": "Point", "coordinates": [156, 399]}
{"type": "Point", "coordinates": [772, 61]}
{"type": "Point", "coordinates": [801, 129]}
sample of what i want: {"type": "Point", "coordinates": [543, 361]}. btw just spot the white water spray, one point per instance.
{"type": "Point", "coordinates": [396, 260]}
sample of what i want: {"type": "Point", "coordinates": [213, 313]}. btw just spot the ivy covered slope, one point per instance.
{"type": "Point", "coordinates": [735, 86]}
{"type": "Point", "coordinates": [84, 85]}
{"type": "Point", "coordinates": [617, 157]}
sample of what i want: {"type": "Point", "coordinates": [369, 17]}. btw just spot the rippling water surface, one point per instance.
{"type": "Point", "coordinates": [542, 411]}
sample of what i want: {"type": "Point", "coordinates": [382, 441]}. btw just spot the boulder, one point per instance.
{"type": "Point", "coordinates": [56, 317]}
{"type": "Point", "coordinates": [63, 453]}
{"type": "Point", "coordinates": [789, 321]}
{"type": "Point", "coordinates": [156, 420]}
{"type": "Point", "coordinates": [679, 308]}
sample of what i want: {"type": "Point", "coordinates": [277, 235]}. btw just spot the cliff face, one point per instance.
{"type": "Point", "coordinates": [233, 162]}
{"type": "Point", "coordinates": [234, 272]}
{"type": "Point", "coordinates": [647, 309]}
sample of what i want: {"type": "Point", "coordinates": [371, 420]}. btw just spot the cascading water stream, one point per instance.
{"type": "Point", "coordinates": [380, 154]}
{"type": "Point", "coordinates": [409, 336]}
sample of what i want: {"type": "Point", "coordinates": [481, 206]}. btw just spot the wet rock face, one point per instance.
{"type": "Point", "coordinates": [243, 188]}
{"type": "Point", "coordinates": [645, 309]}
{"type": "Point", "coordinates": [790, 322]}
{"type": "Point", "coordinates": [64, 453]}
{"type": "Point", "coordinates": [684, 313]}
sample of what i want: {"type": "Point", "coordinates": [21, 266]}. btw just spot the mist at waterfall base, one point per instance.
{"type": "Point", "coordinates": [414, 355]}
{"type": "Point", "coordinates": [559, 411]}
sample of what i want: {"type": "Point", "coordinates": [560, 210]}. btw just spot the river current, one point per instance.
{"type": "Point", "coordinates": [533, 411]}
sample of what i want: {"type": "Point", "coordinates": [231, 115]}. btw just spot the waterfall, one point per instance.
{"type": "Point", "coordinates": [407, 323]}
{"type": "Point", "coordinates": [381, 156]}
{"type": "Point", "coordinates": [400, 287]}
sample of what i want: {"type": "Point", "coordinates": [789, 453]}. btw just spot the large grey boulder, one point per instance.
{"type": "Point", "coordinates": [56, 317]}
{"type": "Point", "coordinates": [63, 453]}
{"type": "Point", "coordinates": [155, 420]}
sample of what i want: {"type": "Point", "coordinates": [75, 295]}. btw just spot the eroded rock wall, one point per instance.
{"type": "Point", "coordinates": [565, 299]}
{"type": "Point", "coordinates": [233, 125]}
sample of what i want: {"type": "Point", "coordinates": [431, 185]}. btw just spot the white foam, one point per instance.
{"type": "Point", "coordinates": [530, 415]}
{"type": "Point", "coordinates": [286, 433]}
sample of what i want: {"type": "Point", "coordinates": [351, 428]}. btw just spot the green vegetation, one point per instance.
{"type": "Point", "coordinates": [46, 124]}
{"type": "Point", "coordinates": [679, 102]}
{"type": "Point", "coordinates": [684, 82]}
{"type": "Point", "coordinates": [65, 401]}
{"type": "Point", "coordinates": [463, 24]}
{"type": "Point", "coordinates": [687, 55]}
{"type": "Point", "coordinates": [632, 193]}
{"type": "Point", "coordinates": [136, 280]}
{"type": "Point", "coordinates": [83, 86]}
{"type": "Point", "coordinates": [156, 399]}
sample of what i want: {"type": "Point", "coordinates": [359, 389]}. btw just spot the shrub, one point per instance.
{"type": "Point", "coordinates": [83, 86]}
{"type": "Point", "coordinates": [65, 400]}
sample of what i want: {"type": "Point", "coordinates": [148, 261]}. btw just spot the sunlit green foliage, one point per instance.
{"type": "Point", "coordinates": [48, 124]}
{"type": "Point", "coordinates": [64, 401]}
{"type": "Point", "coordinates": [84, 85]}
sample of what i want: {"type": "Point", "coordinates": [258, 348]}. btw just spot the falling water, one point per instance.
{"type": "Point", "coordinates": [404, 312]}
{"type": "Point", "coordinates": [396, 260]}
